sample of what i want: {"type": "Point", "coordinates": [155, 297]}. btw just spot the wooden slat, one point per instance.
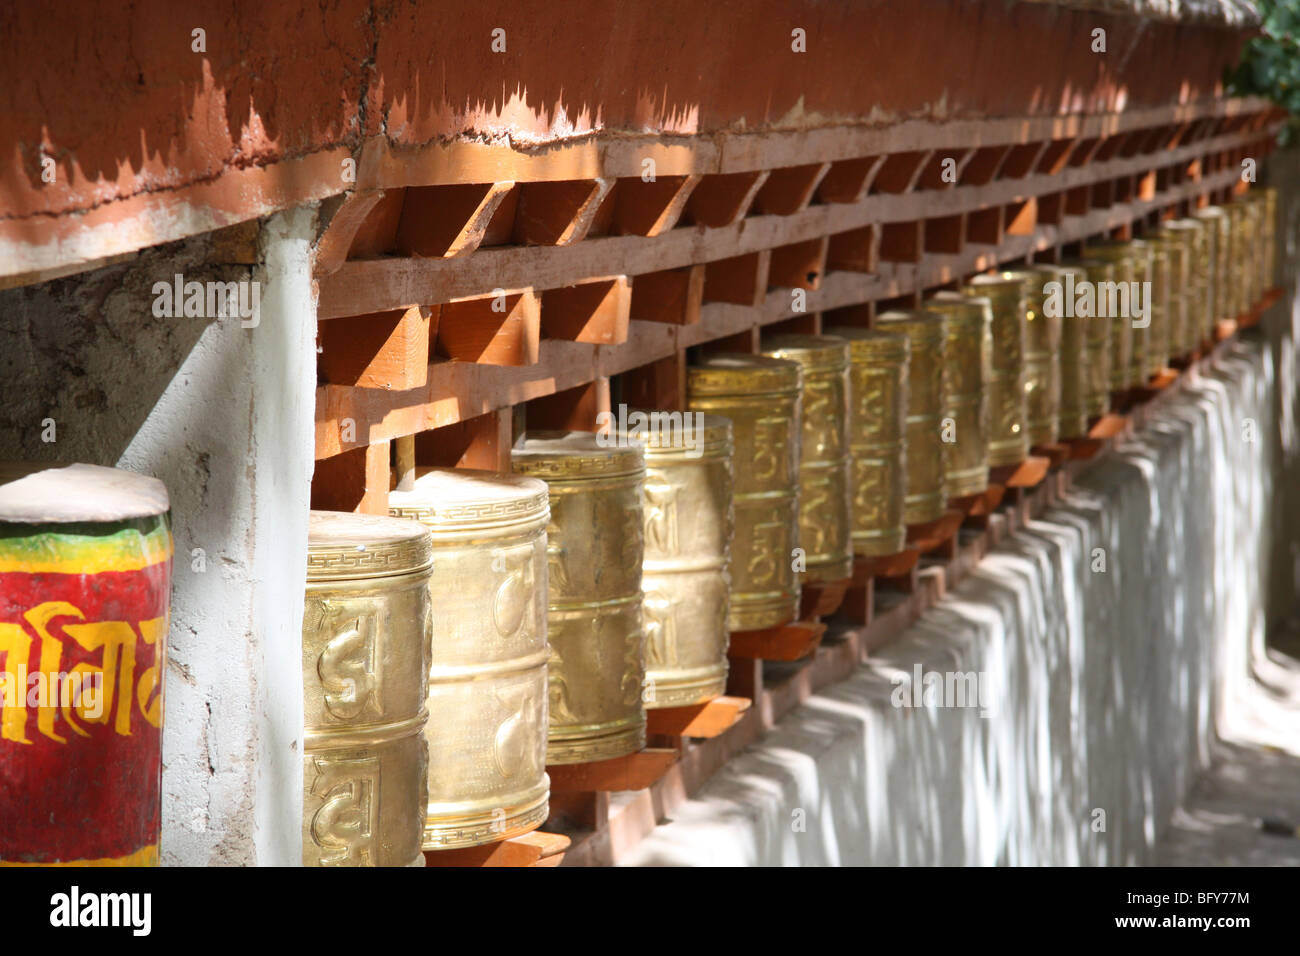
{"type": "Point", "coordinates": [459, 390]}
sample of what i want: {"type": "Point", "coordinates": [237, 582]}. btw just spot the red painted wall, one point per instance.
{"type": "Point", "coordinates": [142, 128]}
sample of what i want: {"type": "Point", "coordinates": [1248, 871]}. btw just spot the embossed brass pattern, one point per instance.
{"type": "Point", "coordinates": [1218, 233]}
{"type": "Point", "coordinates": [761, 396]}
{"type": "Point", "coordinates": [1097, 331]}
{"type": "Point", "coordinates": [487, 696]}
{"type": "Point", "coordinates": [365, 651]}
{"type": "Point", "coordinates": [1181, 241]}
{"type": "Point", "coordinates": [689, 521]}
{"type": "Point", "coordinates": [1042, 357]}
{"type": "Point", "coordinates": [1132, 262]}
{"type": "Point", "coordinates": [824, 452]}
{"type": "Point", "coordinates": [968, 359]}
{"type": "Point", "coordinates": [1008, 437]}
{"type": "Point", "coordinates": [594, 626]}
{"type": "Point", "coordinates": [927, 384]}
{"type": "Point", "coordinates": [877, 438]}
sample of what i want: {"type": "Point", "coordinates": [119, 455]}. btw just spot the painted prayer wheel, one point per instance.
{"type": "Point", "coordinates": [1128, 345]}
{"type": "Point", "coordinates": [487, 671]}
{"type": "Point", "coordinates": [689, 520]}
{"type": "Point", "coordinates": [761, 396]}
{"type": "Point", "coordinates": [365, 653]}
{"type": "Point", "coordinates": [1008, 437]}
{"type": "Point", "coordinates": [968, 359]}
{"type": "Point", "coordinates": [877, 438]}
{"type": "Point", "coordinates": [1181, 240]}
{"type": "Point", "coordinates": [1042, 357]}
{"type": "Point", "coordinates": [927, 385]}
{"type": "Point", "coordinates": [1097, 334]}
{"type": "Point", "coordinates": [1075, 355]}
{"type": "Point", "coordinates": [85, 582]}
{"type": "Point", "coordinates": [1218, 233]}
{"type": "Point", "coordinates": [823, 452]}
{"type": "Point", "coordinates": [593, 606]}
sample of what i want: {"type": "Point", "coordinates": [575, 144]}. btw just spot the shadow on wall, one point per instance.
{"type": "Point", "coordinates": [1104, 687]}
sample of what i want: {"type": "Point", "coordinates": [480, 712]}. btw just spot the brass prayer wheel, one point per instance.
{"type": "Point", "coordinates": [1220, 245]}
{"type": "Point", "coordinates": [968, 359]}
{"type": "Point", "coordinates": [1008, 437]}
{"type": "Point", "coordinates": [761, 396]}
{"type": "Point", "coordinates": [1200, 284]}
{"type": "Point", "coordinates": [1265, 199]}
{"type": "Point", "coordinates": [487, 698]}
{"type": "Point", "coordinates": [85, 590]}
{"type": "Point", "coordinates": [1238, 285]}
{"type": "Point", "coordinates": [689, 520]}
{"type": "Point", "coordinates": [1098, 330]}
{"type": "Point", "coordinates": [877, 438]}
{"type": "Point", "coordinates": [927, 384]}
{"type": "Point", "coordinates": [365, 653]}
{"type": "Point", "coordinates": [1042, 356]}
{"type": "Point", "coordinates": [593, 616]}
{"type": "Point", "coordinates": [1158, 340]}
{"type": "Point", "coordinates": [1132, 262]}
{"type": "Point", "coordinates": [1075, 354]}
{"type": "Point", "coordinates": [823, 452]}
{"type": "Point", "coordinates": [1181, 240]}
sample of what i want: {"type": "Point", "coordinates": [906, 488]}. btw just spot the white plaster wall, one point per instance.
{"type": "Point", "coordinates": [224, 416]}
{"type": "Point", "coordinates": [1104, 685]}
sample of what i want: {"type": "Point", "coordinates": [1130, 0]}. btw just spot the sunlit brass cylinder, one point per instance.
{"type": "Point", "coordinates": [877, 438]}
{"type": "Point", "coordinates": [1075, 353]}
{"type": "Point", "coordinates": [1008, 437]}
{"type": "Point", "coordinates": [761, 396]}
{"type": "Point", "coordinates": [968, 360]}
{"type": "Point", "coordinates": [1157, 301]}
{"type": "Point", "coordinates": [823, 452]}
{"type": "Point", "coordinates": [1132, 262]}
{"type": "Point", "coordinates": [1042, 356]}
{"type": "Point", "coordinates": [487, 665]}
{"type": "Point", "coordinates": [365, 652]}
{"type": "Point", "coordinates": [1241, 269]}
{"type": "Point", "coordinates": [1182, 241]}
{"type": "Point", "coordinates": [927, 385]}
{"type": "Point", "coordinates": [1097, 331]}
{"type": "Point", "coordinates": [594, 550]}
{"type": "Point", "coordinates": [688, 526]}
{"type": "Point", "coordinates": [1200, 280]}
{"type": "Point", "coordinates": [1265, 199]}
{"type": "Point", "coordinates": [1220, 246]}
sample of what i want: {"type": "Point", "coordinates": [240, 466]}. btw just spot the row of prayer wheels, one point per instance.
{"type": "Point", "coordinates": [496, 624]}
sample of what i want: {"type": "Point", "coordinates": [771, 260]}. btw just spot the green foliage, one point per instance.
{"type": "Point", "coordinates": [1270, 64]}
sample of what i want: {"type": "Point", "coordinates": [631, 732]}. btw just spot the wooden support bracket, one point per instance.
{"type": "Point", "coordinates": [783, 642]}
{"type": "Point", "coordinates": [701, 721]}
{"type": "Point", "coordinates": [634, 771]}
{"type": "Point", "coordinates": [527, 849]}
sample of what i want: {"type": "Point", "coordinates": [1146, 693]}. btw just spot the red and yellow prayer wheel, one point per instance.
{"type": "Point", "coordinates": [85, 582]}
